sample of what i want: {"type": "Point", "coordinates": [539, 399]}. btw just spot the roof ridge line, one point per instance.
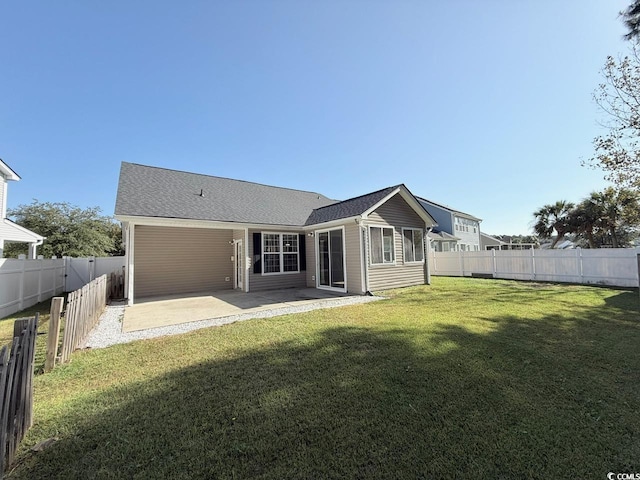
{"type": "Point", "coordinates": [227, 178]}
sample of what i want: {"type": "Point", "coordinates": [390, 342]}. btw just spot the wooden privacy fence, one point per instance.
{"type": "Point", "coordinates": [84, 307]}
{"type": "Point", "coordinates": [16, 388]}
{"type": "Point", "coordinates": [116, 284]}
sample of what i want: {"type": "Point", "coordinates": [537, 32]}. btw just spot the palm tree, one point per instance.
{"type": "Point", "coordinates": [585, 219]}
{"type": "Point", "coordinates": [555, 217]}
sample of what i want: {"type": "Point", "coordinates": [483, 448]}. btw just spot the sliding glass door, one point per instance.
{"type": "Point", "coordinates": [330, 268]}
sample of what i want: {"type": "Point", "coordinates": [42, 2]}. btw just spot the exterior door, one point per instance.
{"type": "Point", "coordinates": [238, 277]}
{"type": "Point", "coordinates": [330, 269]}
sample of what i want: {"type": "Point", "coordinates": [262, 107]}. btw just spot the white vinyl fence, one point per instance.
{"type": "Point", "coordinates": [603, 266]}
{"type": "Point", "coordinates": [26, 282]}
{"type": "Point", "coordinates": [80, 271]}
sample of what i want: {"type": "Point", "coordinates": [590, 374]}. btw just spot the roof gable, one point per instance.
{"type": "Point", "coordinates": [160, 192]}
{"type": "Point", "coordinates": [348, 208]}
{"type": "Point", "coordinates": [364, 205]}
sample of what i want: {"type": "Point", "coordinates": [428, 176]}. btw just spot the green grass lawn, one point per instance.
{"type": "Point", "coordinates": [6, 330]}
{"type": "Point", "coordinates": [466, 378]}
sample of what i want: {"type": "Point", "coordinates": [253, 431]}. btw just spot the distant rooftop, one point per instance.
{"type": "Point", "coordinates": [452, 210]}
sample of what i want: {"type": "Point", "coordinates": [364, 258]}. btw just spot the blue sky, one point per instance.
{"type": "Point", "coordinates": [482, 105]}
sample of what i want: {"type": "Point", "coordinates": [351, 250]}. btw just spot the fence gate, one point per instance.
{"type": "Point", "coordinates": [80, 271]}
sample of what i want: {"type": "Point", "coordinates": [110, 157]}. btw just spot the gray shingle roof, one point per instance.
{"type": "Point", "coordinates": [425, 202]}
{"type": "Point", "coordinates": [348, 208]}
{"type": "Point", "coordinates": [440, 235]}
{"type": "Point", "coordinates": [160, 192]}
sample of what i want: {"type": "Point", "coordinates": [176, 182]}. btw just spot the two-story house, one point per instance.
{"type": "Point", "coordinates": [456, 230]}
{"type": "Point", "coordinates": [11, 231]}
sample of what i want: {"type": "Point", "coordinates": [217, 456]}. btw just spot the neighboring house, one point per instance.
{"type": "Point", "coordinates": [463, 229]}
{"type": "Point", "coordinates": [187, 232]}
{"type": "Point", "coordinates": [503, 242]}
{"type": "Point", "coordinates": [11, 231]}
{"type": "Point", "coordinates": [487, 242]}
{"type": "Point", "coordinates": [442, 241]}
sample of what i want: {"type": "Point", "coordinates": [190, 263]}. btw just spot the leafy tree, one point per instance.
{"type": "Point", "coordinates": [631, 19]}
{"type": "Point", "coordinates": [554, 217]}
{"type": "Point", "coordinates": [618, 151]}
{"type": "Point", "coordinates": [619, 212]}
{"type": "Point", "coordinates": [607, 218]}
{"type": "Point", "coordinates": [69, 230]}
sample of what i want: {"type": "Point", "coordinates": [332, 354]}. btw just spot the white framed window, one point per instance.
{"type": "Point", "coordinates": [382, 245]}
{"type": "Point", "coordinates": [280, 253]}
{"type": "Point", "coordinates": [412, 241]}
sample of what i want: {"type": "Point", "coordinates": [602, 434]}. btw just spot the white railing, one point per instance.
{"type": "Point", "coordinates": [603, 266]}
{"type": "Point", "coordinates": [24, 283]}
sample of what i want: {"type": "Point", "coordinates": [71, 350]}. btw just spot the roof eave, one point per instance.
{"type": "Point", "coordinates": [23, 230]}
{"type": "Point", "coordinates": [197, 223]}
{"type": "Point", "coordinates": [7, 172]}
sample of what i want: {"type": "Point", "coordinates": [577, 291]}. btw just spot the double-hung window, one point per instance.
{"type": "Point", "coordinates": [280, 253]}
{"type": "Point", "coordinates": [412, 239]}
{"type": "Point", "coordinates": [382, 245]}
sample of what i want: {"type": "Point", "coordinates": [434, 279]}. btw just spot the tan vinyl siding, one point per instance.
{"type": "Point", "coordinates": [258, 282]}
{"type": "Point", "coordinates": [172, 260]}
{"type": "Point", "coordinates": [354, 268]}
{"type": "Point", "coordinates": [397, 213]}
{"type": "Point", "coordinates": [311, 262]}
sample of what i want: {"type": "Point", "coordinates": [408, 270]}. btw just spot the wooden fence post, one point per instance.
{"type": "Point", "coordinates": [5, 391]}
{"type": "Point", "coordinates": [54, 333]}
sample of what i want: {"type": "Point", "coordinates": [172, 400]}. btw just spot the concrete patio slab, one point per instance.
{"type": "Point", "coordinates": [164, 311]}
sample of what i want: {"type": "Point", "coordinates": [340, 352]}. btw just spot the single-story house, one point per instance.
{"type": "Point", "coordinates": [11, 231]}
{"type": "Point", "coordinates": [489, 242]}
{"type": "Point", "coordinates": [442, 241]}
{"type": "Point", "coordinates": [187, 232]}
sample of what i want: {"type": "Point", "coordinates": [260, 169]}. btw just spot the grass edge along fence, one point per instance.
{"type": "Point", "coordinates": [16, 388]}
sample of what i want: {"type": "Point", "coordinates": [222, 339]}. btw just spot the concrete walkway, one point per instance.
{"type": "Point", "coordinates": [165, 311]}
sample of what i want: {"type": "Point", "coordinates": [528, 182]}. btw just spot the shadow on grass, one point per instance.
{"type": "Point", "coordinates": [526, 399]}
{"type": "Point", "coordinates": [626, 300]}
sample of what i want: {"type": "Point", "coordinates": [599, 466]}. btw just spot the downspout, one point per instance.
{"type": "Point", "coordinates": [33, 248]}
